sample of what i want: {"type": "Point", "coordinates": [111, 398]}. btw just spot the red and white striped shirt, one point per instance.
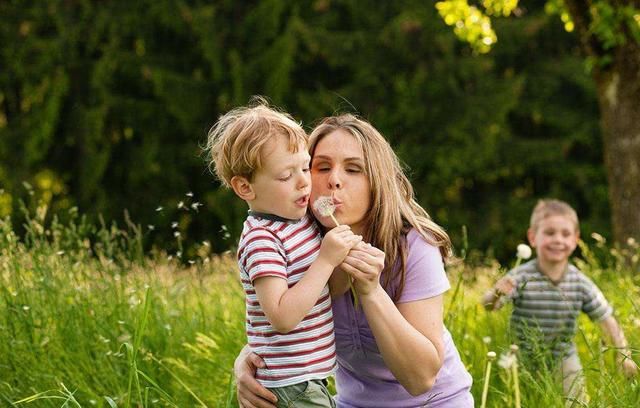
{"type": "Point", "coordinates": [286, 250]}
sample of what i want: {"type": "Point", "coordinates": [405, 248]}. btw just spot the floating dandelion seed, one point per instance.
{"type": "Point", "coordinates": [159, 209]}
{"type": "Point", "coordinates": [176, 234]}
{"type": "Point", "coordinates": [174, 224]}
{"type": "Point", "coordinates": [325, 207]}
{"type": "Point", "coordinates": [191, 261]}
{"type": "Point", "coordinates": [196, 205]}
{"type": "Point", "coordinates": [189, 194]}
{"type": "Point", "coordinates": [181, 204]}
{"type": "Point", "coordinates": [179, 254]}
{"type": "Point", "coordinates": [150, 227]}
{"type": "Point", "coordinates": [60, 253]}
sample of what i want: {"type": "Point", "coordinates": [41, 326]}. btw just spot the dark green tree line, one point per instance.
{"type": "Point", "coordinates": [104, 106]}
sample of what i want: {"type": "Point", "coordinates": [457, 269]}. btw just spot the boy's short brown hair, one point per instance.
{"type": "Point", "coordinates": [548, 207]}
{"type": "Point", "coordinates": [235, 142]}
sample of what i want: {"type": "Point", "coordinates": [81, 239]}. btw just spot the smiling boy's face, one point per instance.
{"type": "Point", "coordinates": [282, 185]}
{"type": "Point", "coordinates": [554, 238]}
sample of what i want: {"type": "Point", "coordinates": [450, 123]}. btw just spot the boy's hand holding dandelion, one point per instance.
{"type": "Point", "coordinates": [504, 286]}
{"type": "Point", "coordinates": [336, 245]}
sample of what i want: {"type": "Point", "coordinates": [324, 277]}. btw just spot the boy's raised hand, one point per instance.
{"type": "Point", "coordinates": [337, 243]}
{"type": "Point", "coordinates": [505, 286]}
{"type": "Point", "coordinates": [629, 367]}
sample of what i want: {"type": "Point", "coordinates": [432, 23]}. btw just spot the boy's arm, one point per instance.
{"type": "Point", "coordinates": [611, 327]}
{"type": "Point", "coordinates": [492, 299]}
{"type": "Point", "coordinates": [285, 307]}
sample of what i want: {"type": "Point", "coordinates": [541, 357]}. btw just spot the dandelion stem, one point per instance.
{"type": "Point", "coordinates": [485, 390]}
{"type": "Point", "coordinates": [514, 370]}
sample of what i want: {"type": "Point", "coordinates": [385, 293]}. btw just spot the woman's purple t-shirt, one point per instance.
{"type": "Point", "coordinates": [363, 380]}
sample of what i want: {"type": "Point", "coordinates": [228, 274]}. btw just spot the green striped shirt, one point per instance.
{"type": "Point", "coordinates": [546, 313]}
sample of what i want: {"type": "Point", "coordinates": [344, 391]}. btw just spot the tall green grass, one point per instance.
{"type": "Point", "coordinates": [87, 319]}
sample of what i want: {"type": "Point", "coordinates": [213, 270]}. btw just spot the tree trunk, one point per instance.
{"type": "Point", "coordinates": [619, 99]}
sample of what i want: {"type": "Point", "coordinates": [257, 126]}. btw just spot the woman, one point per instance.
{"type": "Point", "coordinates": [392, 347]}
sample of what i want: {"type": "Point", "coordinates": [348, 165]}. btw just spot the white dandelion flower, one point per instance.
{"type": "Point", "coordinates": [523, 251]}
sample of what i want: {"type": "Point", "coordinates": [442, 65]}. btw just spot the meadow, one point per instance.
{"type": "Point", "coordinates": [90, 319]}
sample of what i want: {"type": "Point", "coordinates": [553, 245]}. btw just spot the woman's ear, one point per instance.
{"type": "Point", "coordinates": [243, 188]}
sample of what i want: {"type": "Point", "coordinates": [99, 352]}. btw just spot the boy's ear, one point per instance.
{"type": "Point", "coordinates": [531, 236]}
{"type": "Point", "coordinates": [243, 188]}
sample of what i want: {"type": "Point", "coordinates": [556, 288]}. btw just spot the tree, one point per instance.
{"type": "Point", "coordinates": [609, 35]}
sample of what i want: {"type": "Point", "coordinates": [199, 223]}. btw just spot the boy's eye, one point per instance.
{"type": "Point", "coordinates": [306, 169]}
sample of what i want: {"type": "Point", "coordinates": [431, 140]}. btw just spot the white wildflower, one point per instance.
{"type": "Point", "coordinates": [325, 206]}
{"type": "Point", "coordinates": [507, 360]}
{"type": "Point", "coordinates": [523, 251]}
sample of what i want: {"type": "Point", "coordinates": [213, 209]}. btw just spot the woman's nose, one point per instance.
{"type": "Point", "coordinates": [334, 180]}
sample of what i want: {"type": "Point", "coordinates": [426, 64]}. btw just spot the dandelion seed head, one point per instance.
{"type": "Point", "coordinates": [189, 194]}
{"type": "Point", "coordinates": [181, 204]}
{"type": "Point", "coordinates": [25, 308]}
{"type": "Point", "coordinates": [60, 253]}
{"type": "Point", "coordinates": [523, 251]}
{"type": "Point", "coordinates": [176, 234]}
{"type": "Point", "coordinates": [506, 360]}
{"type": "Point", "coordinates": [174, 224]}
{"type": "Point", "coordinates": [151, 227]}
{"type": "Point", "coordinates": [491, 355]}
{"type": "Point", "coordinates": [486, 339]}
{"type": "Point", "coordinates": [324, 206]}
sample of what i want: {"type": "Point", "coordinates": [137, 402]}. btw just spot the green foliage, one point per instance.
{"type": "Point", "coordinates": [104, 107]}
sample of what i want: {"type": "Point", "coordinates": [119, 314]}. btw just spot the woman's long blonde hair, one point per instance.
{"type": "Point", "coordinates": [393, 209]}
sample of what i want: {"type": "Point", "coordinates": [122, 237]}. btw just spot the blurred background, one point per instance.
{"type": "Point", "coordinates": [104, 107]}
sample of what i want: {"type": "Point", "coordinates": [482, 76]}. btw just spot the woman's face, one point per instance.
{"type": "Point", "coordinates": [338, 170]}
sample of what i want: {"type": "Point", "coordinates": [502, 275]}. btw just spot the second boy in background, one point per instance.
{"type": "Point", "coordinates": [284, 266]}
{"type": "Point", "coordinates": [548, 294]}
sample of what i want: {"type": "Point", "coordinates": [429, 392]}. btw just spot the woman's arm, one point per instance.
{"type": "Point", "coordinates": [250, 393]}
{"type": "Point", "coordinates": [409, 335]}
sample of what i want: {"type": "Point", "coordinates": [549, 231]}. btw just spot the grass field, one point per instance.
{"type": "Point", "coordinates": [87, 319]}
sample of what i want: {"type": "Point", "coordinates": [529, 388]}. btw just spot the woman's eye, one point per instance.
{"type": "Point", "coordinates": [322, 168]}
{"type": "Point", "coordinates": [285, 178]}
{"type": "Point", "coordinates": [354, 170]}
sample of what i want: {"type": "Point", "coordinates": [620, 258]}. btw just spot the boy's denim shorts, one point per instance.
{"type": "Point", "coordinates": [311, 394]}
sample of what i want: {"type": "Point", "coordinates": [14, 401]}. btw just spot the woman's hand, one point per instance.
{"type": "Point", "coordinates": [250, 393]}
{"type": "Point", "coordinates": [364, 263]}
